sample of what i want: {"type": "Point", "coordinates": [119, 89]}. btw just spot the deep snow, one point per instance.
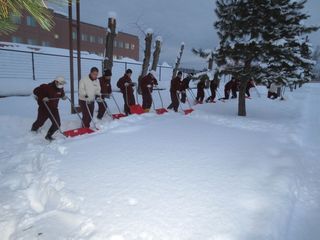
{"type": "Point", "coordinates": [209, 175]}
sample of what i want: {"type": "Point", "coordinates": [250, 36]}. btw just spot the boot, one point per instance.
{"type": "Point", "coordinates": [49, 137]}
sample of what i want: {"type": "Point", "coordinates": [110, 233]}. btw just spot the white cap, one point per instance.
{"type": "Point", "coordinates": [60, 80]}
{"type": "Point", "coordinates": [153, 73]}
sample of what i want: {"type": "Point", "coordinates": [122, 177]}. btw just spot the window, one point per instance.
{"type": "Point", "coordinates": [133, 46]}
{"type": "Point", "coordinates": [92, 39]}
{"type": "Point", "coordinates": [127, 45]}
{"type": "Point", "coordinates": [74, 35]}
{"type": "Point", "coordinates": [120, 44]}
{"type": "Point", "coordinates": [46, 43]}
{"type": "Point", "coordinates": [115, 43]}
{"type": "Point", "coordinates": [31, 21]}
{"type": "Point", "coordinates": [32, 41]}
{"type": "Point", "coordinates": [16, 39]}
{"type": "Point", "coordinates": [15, 19]}
{"type": "Point", "coordinates": [84, 37]}
{"type": "Point", "coordinates": [100, 40]}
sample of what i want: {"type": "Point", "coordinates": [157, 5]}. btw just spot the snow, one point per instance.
{"type": "Point", "coordinates": [112, 15]}
{"type": "Point", "coordinates": [159, 39]}
{"type": "Point", "coordinates": [209, 175]}
{"type": "Point", "coordinates": [149, 31]}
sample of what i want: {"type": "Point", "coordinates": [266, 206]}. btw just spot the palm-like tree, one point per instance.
{"type": "Point", "coordinates": [36, 8]}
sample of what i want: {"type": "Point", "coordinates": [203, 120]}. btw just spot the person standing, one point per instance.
{"type": "Point", "coordinates": [48, 96]}
{"type": "Point", "coordinates": [230, 86]}
{"type": "Point", "coordinates": [214, 84]}
{"type": "Point", "coordinates": [126, 87]}
{"type": "Point", "coordinates": [89, 91]}
{"type": "Point", "coordinates": [200, 89]}
{"type": "Point", "coordinates": [184, 87]}
{"type": "Point", "coordinates": [106, 91]}
{"type": "Point", "coordinates": [147, 84]}
{"type": "Point", "coordinates": [175, 89]}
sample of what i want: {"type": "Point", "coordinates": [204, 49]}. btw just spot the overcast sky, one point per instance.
{"type": "Point", "coordinates": [189, 21]}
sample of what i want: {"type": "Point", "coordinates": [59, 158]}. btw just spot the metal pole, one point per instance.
{"type": "Point", "coordinates": [78, 40]}
{"type": "Point", "coordinates": [33, 70]}
{"type": "Point", "coordinates": [71, 55]}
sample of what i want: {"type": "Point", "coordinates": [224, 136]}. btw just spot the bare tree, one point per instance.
{"type": "Point", "coordinates": [177, 65]}
{"type": "Point", "coordinates": [110, 36]}
{"type": "Point", "coordinates": [156, 53]}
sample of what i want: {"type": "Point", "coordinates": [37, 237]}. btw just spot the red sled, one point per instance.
{"type": "Point", "coordinates": [136, 109]}
{"type": "Point", "coordinates": [161, 111]}
{"type": "Point", "coordinates": [78, 132]}
{"type": "Point", "coordinates": [188, 111]}
{"type": "Point", "coordinates": [118, 116]}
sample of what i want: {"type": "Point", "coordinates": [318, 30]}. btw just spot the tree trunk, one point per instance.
{"type": "Point", "coordinates": [110, 36]}
{"type": "Point", "coordinates": [146, 60]}
{"type": "Point", "coordinates": [156, 55]}
{"type": "Point", "coordinates": [242, 90]}
{"type": "Point", "coordinates": [176, 67]}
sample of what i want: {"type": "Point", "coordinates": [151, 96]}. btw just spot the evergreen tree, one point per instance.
{"type": "Point", "coordinates": [261, 40]}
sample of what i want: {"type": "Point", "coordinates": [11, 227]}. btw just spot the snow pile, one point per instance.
{"type": "Point", "coordinates": [209, 175]}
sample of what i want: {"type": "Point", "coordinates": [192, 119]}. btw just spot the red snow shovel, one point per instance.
{"type": "Point", "coordinates": [186, 111]}
{"type": "Point", "coordinates": [73, 132]}
{"type": "Point", "coordinates": [161, 110]}
{"type": "Point", "coordinates": [116, 115]}
{"type": "Point", "coordinates": [137, 108]}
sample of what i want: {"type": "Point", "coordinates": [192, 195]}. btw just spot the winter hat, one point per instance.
{"type": "Point", "coordinates": [60, 80]}
{"type": "Point", "coordinates": [108, 73]}
{"type": "Point", "coordinates": [153, 73]}
{"type": "Point", "coordinates": [129, 71]}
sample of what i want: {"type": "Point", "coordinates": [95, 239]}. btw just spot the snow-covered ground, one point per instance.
{"type": "Point", "coordinates": [210, 175]}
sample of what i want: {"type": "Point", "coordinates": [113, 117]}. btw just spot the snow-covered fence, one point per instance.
{"type": "Point", "coordinates": [21, 71]}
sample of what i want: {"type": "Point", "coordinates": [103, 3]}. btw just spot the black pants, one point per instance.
{"type": "Point", "coordinates": [86, 116]}
{"type": "Point", "coordinates": [272, 95]}
{"type": "Point", "coordinates": [227, 93]}
{"type": "Point", "coordinates": [146, 100]}
{"type": "Point", "coordinates": [212, 97]}
{"type": "Point", "coordinates": [183, 97]}
{"type": "Point", "coordinates": [102, 109]}
{"type": "Point", "coordinates": [128, 102]}
{"type": "Point", "coordinates": [174, 101]}
{"type": "Point", "coordinates": [43, 116]}
{"type": "Point", "coordinates": [200, 95]}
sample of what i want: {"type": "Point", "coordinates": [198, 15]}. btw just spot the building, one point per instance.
{"type": "Point", "coordinates": [92, 36]}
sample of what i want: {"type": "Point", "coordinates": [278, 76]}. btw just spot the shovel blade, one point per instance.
{"type": "Point", "coordinates": [118, 116]}
{"type": "Point", "coordinates": [188, 111]}
{"type": "Point", "coordinates": [77, 132]}
{"type": "Point", "coordinates": [161, 111]}
{"type": "Point", "coordinates": [136, 109]}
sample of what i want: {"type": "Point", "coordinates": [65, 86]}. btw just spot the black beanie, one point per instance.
{"type": "Point", "coordinates": [129, 71]}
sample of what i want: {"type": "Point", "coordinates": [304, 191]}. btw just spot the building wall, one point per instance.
{"type": "Point", "coordinates": [92, 37]}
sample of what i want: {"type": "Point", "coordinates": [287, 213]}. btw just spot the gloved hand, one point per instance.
{"type": "Point", "coordinates": [183, 92]}
{"type": "Point", "coordinates": [126, 84]}
{"type": "Point", "coordinates": [64, 98]}
{"type": "Point", "coordinates": [45, 99]}
{"type": "Point", "coordinates": [178, 92]}
{"type": "Point", "coordinates": [134, 84]}
{"type": "Point", "coordinates": [149, 86]}
{"type": "Point", "coordinates": [99, 99]}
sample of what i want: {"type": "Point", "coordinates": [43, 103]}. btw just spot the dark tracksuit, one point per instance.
{"type": "Point", "coordinates": [127, 92]}
{"type": "Point", "coordinates": [213, 89]}
{"type": "Point", "coordinates": [249, 85]}
{"type": "Point", "coordinates": [52, 92]}
{"type": "Point", "coordinates": [175, 86]}
{"type": "Point", "coordinates": [106, 90]}
{"type": "Point", "coordinates": [230, 86]}
{"type": "Point", "coordinates": [146, 92]}
{"type": "Point", "coordinates": [184, 87]}
{"type": "Point", "coordinates": [200, 91]}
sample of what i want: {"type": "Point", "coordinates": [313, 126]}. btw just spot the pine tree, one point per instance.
{"type": "Point", "coordinates": [262, 40]}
